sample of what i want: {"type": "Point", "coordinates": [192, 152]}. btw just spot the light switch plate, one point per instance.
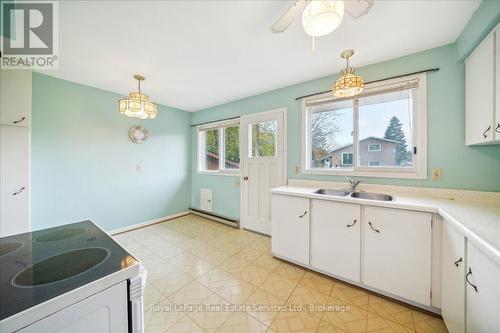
{"type": "Point", "coordinates": [437, 173]}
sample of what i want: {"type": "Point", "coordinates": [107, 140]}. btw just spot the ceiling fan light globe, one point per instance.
{"type": "Point", "coordinates": [321, 17]}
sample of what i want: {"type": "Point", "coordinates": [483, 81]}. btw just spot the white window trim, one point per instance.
{"type": "Point", "coordinates": [373, 144]}
{"type": "Point", "coordinates": [419, 139]}
{"type": "Point", "coordinates": [201, 144]}
{"type": "Point", "coordinates": [342, 158]}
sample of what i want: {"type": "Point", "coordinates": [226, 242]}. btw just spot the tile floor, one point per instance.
{"type": "Point", "coordinates": [204, 276]}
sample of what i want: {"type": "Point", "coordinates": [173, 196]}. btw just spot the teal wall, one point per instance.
{"type": "Point", "coordinates": [84, 165]}
{"type": "Point", "coordinates": [472, 168]}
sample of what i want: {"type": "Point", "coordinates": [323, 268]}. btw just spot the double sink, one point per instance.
{"type": "Point", "coordinates": [358, 195]}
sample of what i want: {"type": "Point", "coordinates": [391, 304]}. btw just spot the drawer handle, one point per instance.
{"type": "Point", "coordinates": [371, 226]}
{"type": "Point", "coordinates": [458, 261]}
{"type": "Point", "coordinates": [20, 190]}
{"type": "Point", "coordinates": [301, 216]}
{"type": "Point", "coordinates": [20, 120]}
{"type": "Point", "coordinates": [497, 129]}
{"type": "Point", "coordinates": [353, 223]}
{"type": "Point", "coordinates": [467, 279]}
{"type": "Point", "coordinates": [486, 131]}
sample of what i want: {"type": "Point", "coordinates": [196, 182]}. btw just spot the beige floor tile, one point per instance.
{"type": "Point", "coordinates": [162, 317]}
{"type": "Point", "coordinates": [326, 327]}
{"type": "Point", "coordinates": [425, 323]}
{"type": "Point", "coordinates": [264, 306]}
{"type": "Point", "coordinates": [344, 316]}
{"type": "Point", "coordinates": [350, 294]}
{"type": "Point", "coordinates": [295, 322]}
{"type": "Point", "coordinates": [195, 266]}
{"type": "Point", "coordinates": [390, 310]}
{"type": "Point", "coordinates": [236, 291]}
{"type": "Point", "coordinates": [290, 271]}
{"type": "Point", "coordinates": [211, 317]}
{"type": "Point", "coordinates": [159, 271]}
{"type": "Point", "coordinates": [263, 243]}
{"type": "Point", "coordinates": [215, 256]}
{"type": "Point", "coordinates": [254, 274]}
{"type": "Point", "coordinates": [250, 254]}
{"type": "Point", "coordinates": [309, 299]}
{"type": "Point", "coordinates": [171, 282]}
{"type": "Point", "coordinates": [267, 261]}
{"type": "Point", "coordinates": [279, 286]}
{"type": "Point", "coordinates": [152, 296]}
{"type": "Point", "coordinates": [317, 282]}
{"type": "Point", "coordinates": [185, 325]}
{"type": "Point", "coordinates": [192, 293]}
{"type": "Point", "coordinates": [241, 322]}
{"type": "Point", "coordinates": [234, 264]}
{"type": "Point", "coordinates": [378, 324]}
{"type": "Point", "coordinates": [216, 278]}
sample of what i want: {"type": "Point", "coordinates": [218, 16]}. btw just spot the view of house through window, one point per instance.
{"type": "Point", "coordinates": [217, 142]}
{"type": "Point", "coordinates": [374, 131]}
{"type": "Point", "coordinates": [263, 139]}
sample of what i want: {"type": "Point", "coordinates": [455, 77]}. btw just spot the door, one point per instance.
{"type": "Point", "coordinates": [336, 238]}
{"type": "Point", "coordinates": [483, 292]}
{"type": "Point", "coordinates": [263, 167]}
{"type": "Point", "coordinates": [479, 93]}
{"type": "Point", "coordinates": [397, 252]}
{"type": "Point", "coordinates": [105, 312]}
{"type": "Point", "coordinates": [497, 84]}
{"type": "Point", "coordinates": [290, 227]}
{"type": "Point", "coordinates": [15, 97]}
{"type": "Point", "coordinates": [14, 177]}
{"type": "Point", "coordinates": [452, 277]}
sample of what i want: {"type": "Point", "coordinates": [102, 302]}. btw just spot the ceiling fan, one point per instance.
{"type": "Point", "coordinates": [321, 17]}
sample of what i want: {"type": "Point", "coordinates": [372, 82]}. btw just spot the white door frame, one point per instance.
{"type": "Point", "coordinates": [244, 151]}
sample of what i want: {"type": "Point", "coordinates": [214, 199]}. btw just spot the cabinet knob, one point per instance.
{"type": "Point", "coordinates": [485, 135]}
{"type": "Point", "coordinates": [458, 261]}
{"type": "Point", "coordinates": [467, 279]}
{"type": "Point", "coordinates": [20, 120]}
{"type": "Point", "coordinates": [371, 226]}
{"type": "Point", "coordinates": [301, 216]}
{"type": "Point", "coordinates": [20, 190]}
{"type": "Point", "coordinates": [353, 223]}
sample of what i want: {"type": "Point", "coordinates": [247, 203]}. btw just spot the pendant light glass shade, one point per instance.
{"type": "Point", "coordinates": [348, 84]}
{"type": "Point", "coordinates": [321, 17]}
{"type": "Point", "coordinates": [138, 105]}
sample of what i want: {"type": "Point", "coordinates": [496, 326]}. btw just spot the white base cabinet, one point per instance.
{"type": "Point", "coordinates": [290, 227]}
{"type": "Point", "coordinates": [336, 238]}
{"type": "Point", "coordinates": [483, 292]}
{"type": "Point", "coordinates": [453, 283]}
{"type": "Point", "coordinates": [397, 252]}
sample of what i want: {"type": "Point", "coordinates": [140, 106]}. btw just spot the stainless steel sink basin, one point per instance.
{"type": "Point", "coordinates": [336, 193]}
{"type": "Point", "coordinates": [372, 196]}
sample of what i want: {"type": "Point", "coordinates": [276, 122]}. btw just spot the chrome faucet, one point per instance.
{"type": "Point", "coordinates": [354, 183]}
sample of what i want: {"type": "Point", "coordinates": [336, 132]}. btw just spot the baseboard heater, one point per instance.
{"type": "Point", "coordinates": [219, 218]}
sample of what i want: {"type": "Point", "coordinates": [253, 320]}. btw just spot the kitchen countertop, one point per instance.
{"type": "Point", "coordinates": [479, 222]}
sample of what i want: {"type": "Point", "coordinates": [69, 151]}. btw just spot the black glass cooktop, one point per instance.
{"type": "Point", "coordinates": [40, 265]}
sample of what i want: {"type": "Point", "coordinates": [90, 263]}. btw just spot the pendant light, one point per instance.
{"type": "Point", "coordinates": [321, 17]}
{"type": "Point", "coordinates": [138, 105]}
{"type": "Point", "coordinates": [348, 84]}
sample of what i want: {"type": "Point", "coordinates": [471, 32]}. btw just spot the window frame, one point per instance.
{"type": "Point", "coordinates": [419, 135]}
{"type": "Point", "coordinates": [220, 126]}
{"type": "Point", "coordinates": [375, 144]}
{"type": "Point", "coordinates": [342, 158]}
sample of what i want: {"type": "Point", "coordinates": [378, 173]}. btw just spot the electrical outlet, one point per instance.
{"type": "Point", "coordinates": [437, 173]}
{"type": "Point", "coordinates": [138, 167]}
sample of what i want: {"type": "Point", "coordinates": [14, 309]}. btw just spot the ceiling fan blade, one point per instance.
{"type": "Point", "coordinates": [287, 17]}
{"type": "Point", "coordinates": [358, 8]}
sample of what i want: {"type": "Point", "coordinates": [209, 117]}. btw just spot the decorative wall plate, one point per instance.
{"type": "Point", "coordinates": [138, 134]}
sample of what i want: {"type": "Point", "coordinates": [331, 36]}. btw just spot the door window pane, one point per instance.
{"type": "Point", "coordinates": [331, 134]}
{"type": "Point", "coordinates": [263, 138]}
{"type": "Point", "coordinates": [385, 123]}
{"type": "Point", "coordinates": [231, 147]}
{"type": "Point", "coordinates": [211, 149]}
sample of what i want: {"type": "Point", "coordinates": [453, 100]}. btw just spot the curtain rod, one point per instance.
{"type": "Point", "coordinates": [214, 121]}
{"type": "Point", "coordinates": [380, 80]}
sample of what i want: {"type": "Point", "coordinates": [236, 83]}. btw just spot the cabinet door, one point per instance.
{"type": "Point", "coordinates": [336, 238]}
{"type": "Point", "coordinates": [15, 97]}
{"type": "Point", "coordinates": [479, 93]}
{"type": "Point", "coordinates": [497, 84]}
{"type": "Point", "coordinates": [452, 275]}
{"type": "Point", "coordinates": [290, 227]}
{"type": "Point", "coordinates": [397, 252]}
{"type": "Point", "coordinates": [105, 312]}
{"type": "Point", "coordinates": [483, 304]}
{"type": "Point", "coordinates": [14, 177]}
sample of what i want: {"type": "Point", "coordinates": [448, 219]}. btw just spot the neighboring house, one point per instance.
{"type": "Point", "coordinates": [373, 151]}
{"type": "Point", "coordinates": [213, 162]}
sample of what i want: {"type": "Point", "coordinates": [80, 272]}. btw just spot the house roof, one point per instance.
{"type": "Point", "coordinates": [367, 138]}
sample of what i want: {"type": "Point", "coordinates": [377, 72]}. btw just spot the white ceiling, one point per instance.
{"type": "Point", "coordinates": [197, 54]}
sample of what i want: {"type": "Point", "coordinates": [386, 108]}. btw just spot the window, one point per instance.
{"type": "Point", "coordinates": [263, 139]}
{"type": "Point", "coordinates": [346, 158]}
{"type": "Point", "coordinates": [377, 133]}
{"type": "Point", "coordinates": [219, 148]}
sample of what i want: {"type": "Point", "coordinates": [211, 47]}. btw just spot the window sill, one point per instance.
{"type": "Point", "coordinates": [409, 174]}
{"type": "Point", "coordinates": [220, 173]}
